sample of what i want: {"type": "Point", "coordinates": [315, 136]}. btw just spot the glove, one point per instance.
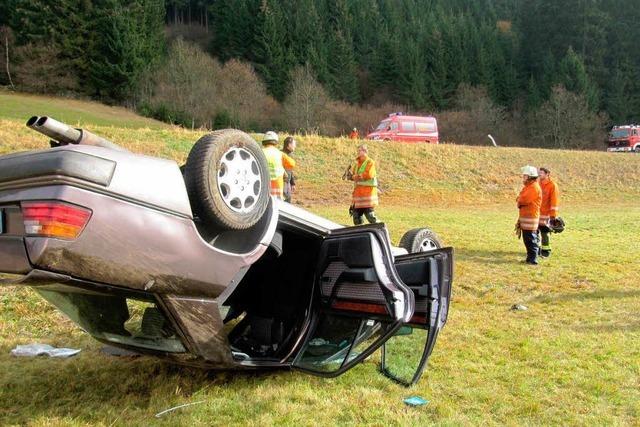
{"type": "Point", "coordinates": [517, 230]}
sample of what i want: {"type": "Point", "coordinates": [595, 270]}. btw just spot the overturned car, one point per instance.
{"type": "Point", "coordinates": [200, 266]}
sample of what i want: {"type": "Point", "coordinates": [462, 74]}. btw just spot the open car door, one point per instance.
{"type": "Point", "coordinates": [359, 301]}
{"type": "Point", "coordinates": [429, 276]}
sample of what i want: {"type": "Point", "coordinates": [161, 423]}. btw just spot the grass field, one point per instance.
{"type": "Point", "coordinates": [78, 113]}
{"type": "Point", "coordinates": [573, 358]}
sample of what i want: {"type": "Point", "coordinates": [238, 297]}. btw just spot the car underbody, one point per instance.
{"type": "Point", "coordinates": [115, 241]}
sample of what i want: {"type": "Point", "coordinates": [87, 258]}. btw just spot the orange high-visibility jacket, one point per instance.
{"type": "Point", "coordinates": [550, 200]}
{"type": "Point", "coordinates": [365, 191]}
{"type": "Point", "coordinates": [277, 162]}
{"type": "Point", "coordinates": [529, 202]}
{"type": "Point", "coordinates": [354, 134]}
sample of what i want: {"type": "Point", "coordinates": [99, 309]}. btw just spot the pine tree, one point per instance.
{"type": "Point", "coordinates": [127, 41]}
{"type": "Point", "coordinates": [343, 82]}
{"type": "Point", "coordinates": [236, 25]}
{"type": "Point", "coordinates": [386, 62]}
{"type": "Point", "coordinates": [413, 78]}
{"type": "Point", "coordinates": [274, 57]}
{"type": "Point", "coordinates": [573, 76]}
{"type": "Point", "coordinates": [342, 66]}
{"type": "Point", "coordinates": [533, 97]}
{"type": "Point", "coordinates": [616, 98]}
{"type": "Point", "coordinates": [306, 31]}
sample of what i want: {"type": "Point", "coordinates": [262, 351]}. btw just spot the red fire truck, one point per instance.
{"type": "Point", "coordinates": [398, 127]}
{"type": "Point", "coordinates": [624, 138]}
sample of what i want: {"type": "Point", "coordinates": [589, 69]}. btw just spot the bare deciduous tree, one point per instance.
{"type": "Point", "coordinates": [194, 89]}
{"type": "Point", "coordinates": [566, 121]}
{"type": "Point", "coordinates": [6, 38]}
{"type": "Point", "coordinates": [38, 68]}
{"type": "Point", "coordinates": [484, 115]}
{"type": "Point", "coordinates": [186, 84]}
{"type": "Point", "coordinates": [305, 106]}
{"type": "Point", "coordinates": [244, 96]}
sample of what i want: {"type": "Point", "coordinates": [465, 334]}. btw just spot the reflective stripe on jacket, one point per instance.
{"type": "Point", "coordinates": [365, 192]}
{"type": "Point", "coordinates": [550, 200]}
{"type": "Point", "coordinates": [277, 161]}
{"type": "Point", "coordinates": [529, 202]}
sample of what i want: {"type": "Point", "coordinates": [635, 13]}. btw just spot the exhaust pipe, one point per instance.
{"type": "Point", "coordinates": [32, 121]}
{"type": "Point", "coordinates": [64, 134]}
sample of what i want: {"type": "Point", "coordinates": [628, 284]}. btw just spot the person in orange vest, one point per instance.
{"type": "Point", "coordinates": [548, 209]}
{"type": "Point", "coordinates": [354, 134]}
{"type": "Point", "coordinates": [288, 147]}
{"type": "Point", "coordinates": [528, 203]}
{"type": "Point", "coordinates": [277, 162]}
{"type": "Point", "coordinates": [365, 189]}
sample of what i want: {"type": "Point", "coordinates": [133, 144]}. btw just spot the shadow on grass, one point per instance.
{"type": "Point", "coordinates": [599, 294]}
{"type": "Point", "coordinates": [489, 256]}
{"type": "Point", "coordinates": [608, 327]}
{"type": "Point", "coordinates": [95, 388]}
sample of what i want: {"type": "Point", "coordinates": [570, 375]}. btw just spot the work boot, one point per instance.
{"type": "Point", "coordinates": [531, 262]}
{"type": "Point", "coordinates": [545, 253]}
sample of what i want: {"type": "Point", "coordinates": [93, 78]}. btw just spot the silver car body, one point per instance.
{"type": "Point", "coordinates": [142, 243]}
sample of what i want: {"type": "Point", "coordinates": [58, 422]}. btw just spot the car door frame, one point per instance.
{"type": "Point", "coordinates": [440, 292]}
{"type": "Point", "coordinates": [385, 257]}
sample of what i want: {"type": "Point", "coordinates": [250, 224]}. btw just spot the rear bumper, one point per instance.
{"type": "Point", "coordinates": [130, 246]}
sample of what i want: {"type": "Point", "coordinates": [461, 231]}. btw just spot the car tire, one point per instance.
{"type": "Point", "coordinates": [420, 240]}
{"type": "Point", "coordinates": [227, 179]}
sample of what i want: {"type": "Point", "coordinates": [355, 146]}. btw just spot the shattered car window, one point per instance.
{"type": "Point", "coordinates": [338, 340]}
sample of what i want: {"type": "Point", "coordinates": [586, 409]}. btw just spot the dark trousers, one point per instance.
{"type": "Point", "coordinates": [545, 244]}
{"type": "Point", "coordinates": [530, 239]}
{"type": "Point", "coordinates": [286, 193]}
{"type": "Point", "coordinates": [368, 212]}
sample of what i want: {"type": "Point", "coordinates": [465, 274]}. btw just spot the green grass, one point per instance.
{"type": "Point", "coordinates": [20, 107]}
{"type": "Point", "coordinates": [573, 358]}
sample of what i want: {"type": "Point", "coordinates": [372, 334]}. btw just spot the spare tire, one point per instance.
{"type": "Point", "coordinates": [227, 179]}
{"type": "Point", "coordinates": [420, 240]}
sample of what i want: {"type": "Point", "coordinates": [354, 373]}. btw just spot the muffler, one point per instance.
{"type": "Point", "coordinates": [63, 134]}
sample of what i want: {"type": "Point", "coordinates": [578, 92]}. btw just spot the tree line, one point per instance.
{"type": "Point", "coordinates": [511, 64]}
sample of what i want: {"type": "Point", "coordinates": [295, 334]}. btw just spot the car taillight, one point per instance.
{"type": "Point", "coordinates": [54, 219]}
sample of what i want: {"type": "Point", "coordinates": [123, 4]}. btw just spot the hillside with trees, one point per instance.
{"type": "Point", "coordinates": [532, 73]}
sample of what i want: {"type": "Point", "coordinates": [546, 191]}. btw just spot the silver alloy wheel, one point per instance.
{"type": "Point", "coordinates": [427, 244]}
{"type": "Point", "coordinates": [239, 180]}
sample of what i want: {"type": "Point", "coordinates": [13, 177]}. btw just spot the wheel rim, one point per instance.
{"type": "Point", "coordinates": [427, 244]}
{"type": "Point", "coordinates": [239, 181]}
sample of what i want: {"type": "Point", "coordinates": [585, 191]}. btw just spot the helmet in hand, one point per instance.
{"type": "Point", "coordinates": [556, 225]}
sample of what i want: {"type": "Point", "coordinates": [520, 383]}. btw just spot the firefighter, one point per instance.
{"type": "Point", "coordinates": [365, 189]}
{"type": "Point", "coordinates": [277, 162]}
{"type": "Point", "coordinates": [529, 202]}
{"type": "Point", "coordinates": [354, 134]}
{"type": "Point", "coordinates": [548, 209]}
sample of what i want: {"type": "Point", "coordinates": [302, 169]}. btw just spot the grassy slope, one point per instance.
{"type": "Point", "coordinates": [78, 113]}
{"type": "Point", "coordinates": [572, 358]}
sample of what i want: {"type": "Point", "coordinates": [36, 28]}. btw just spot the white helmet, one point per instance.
{"type": "Point", "coordinates": [270, 137]}
{"type": "Point", "coordinates": [531, 171]}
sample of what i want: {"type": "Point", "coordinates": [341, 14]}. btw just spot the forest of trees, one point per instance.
{"type": "Point", "coordinates": [509, 67]}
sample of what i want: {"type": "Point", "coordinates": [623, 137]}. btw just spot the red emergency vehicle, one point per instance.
{"type": "Point", "coordinates": [398, 127]}
{"type": "Point", "coordinates": [624, 138]}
